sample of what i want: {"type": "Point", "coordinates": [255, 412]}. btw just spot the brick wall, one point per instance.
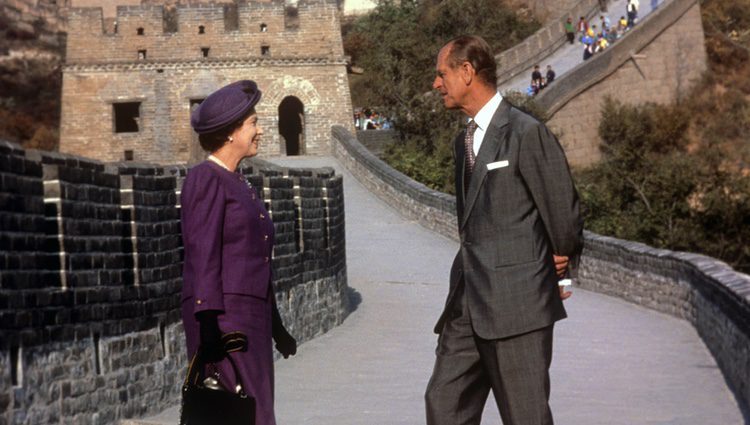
{"type": "Point", "coordinates": [713, 297]}
{"type": "Point", "coordinates": [657, 62]}
{"type": "Point", "coordinates": [90, 280]}
{"type": "Point", "coordinates": [305, 61]}
{"type": "Point", "coordinates": [377, 140]}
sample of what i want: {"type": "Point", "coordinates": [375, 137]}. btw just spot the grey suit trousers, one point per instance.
{"type": "Point", "coordinates": [516, 369]}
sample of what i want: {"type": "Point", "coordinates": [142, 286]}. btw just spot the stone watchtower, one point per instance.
{"type": "Point", "coordinates": [129, 87]}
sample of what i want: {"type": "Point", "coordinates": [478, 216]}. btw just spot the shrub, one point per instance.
{"type": "Point", "coordinates": [650, 189]}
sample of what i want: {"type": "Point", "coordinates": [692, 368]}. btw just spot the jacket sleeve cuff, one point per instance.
{"type": "Point", "coordinates": [203, 304]}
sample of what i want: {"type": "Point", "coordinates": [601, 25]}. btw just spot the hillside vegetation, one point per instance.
{"type": "Point", "coordinates": [30, 87]}
{"type": "Point", "coordinates": [678, 176]}
{"type": "Point", "coordinates": [396, 46]}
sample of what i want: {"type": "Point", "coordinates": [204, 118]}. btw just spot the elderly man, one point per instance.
{"type": "Point", "coordinates": [519, 223]}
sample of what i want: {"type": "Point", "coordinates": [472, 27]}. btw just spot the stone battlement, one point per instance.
{"type": "Point", "coordinates": [91, 274]}
{"type": "Point", "coordinates": [205, 31]}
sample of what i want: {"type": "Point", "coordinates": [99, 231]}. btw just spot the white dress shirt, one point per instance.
{"type": "Point", "coordinates": [483, 118]}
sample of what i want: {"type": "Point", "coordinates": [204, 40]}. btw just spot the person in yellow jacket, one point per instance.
{"type": "Point", "coordinates": [601, 44]}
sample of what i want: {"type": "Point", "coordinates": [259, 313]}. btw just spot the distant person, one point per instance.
{"type": "Point", "coordinates": [654, 4]}
{"type": "Point", "coordinates": [581, 27]}
{"type": "Point", "coordinates": [601, 44]}
{"type": "Point", "coordinates": [605, 23]}
{"type": "Point", "coordinates": [588, 51]}
{"type": "Point", "coordinates": [550, 74]}
{"type": "Point", "coordinates": [228, 237]}
{"type": "Point", "coordinates": [570, 30]}
{"type": "Point", "coordinates": [591, 32]}
{"type": "Point", "coordinates": [536, 79]}
{"type": "Point", "coordinates": [368, 123]}
{"type": "Point", "coordinates": [622, 25]}
{"type": "Point", "coordinates": [632, 11]}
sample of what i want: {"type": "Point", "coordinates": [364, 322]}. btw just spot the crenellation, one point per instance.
{"type": "Point", "coordinates": [106, 342]}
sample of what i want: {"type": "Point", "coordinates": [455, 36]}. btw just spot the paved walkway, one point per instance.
{"type": "Point", "coordinates": [614, 362]}
{"type": "Point", "coordinates": [569, 56]}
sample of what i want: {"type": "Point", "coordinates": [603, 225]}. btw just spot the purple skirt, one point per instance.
{"type": "Point", "coordinates": [251, 316]}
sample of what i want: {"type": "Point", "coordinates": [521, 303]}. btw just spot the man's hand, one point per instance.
{"type": "Point", "coordinates": [561, 265]}
{"type": "Point", "coordinates": [561, 268]}
{"type": "Point", "coordinates": [564, 295]}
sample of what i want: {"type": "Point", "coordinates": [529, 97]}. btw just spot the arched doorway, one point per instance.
{"type": "Point", "coordinates": [291, 125]}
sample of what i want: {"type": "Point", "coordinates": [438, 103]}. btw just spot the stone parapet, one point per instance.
{"type": "Point", "coordinates": [708, 293]}
{"type": "Point", "coordinates": [377, 140]}
{"type": "Point", "coordinates": [90, 279]}
{"type": "Point", "coordinates": [432, 209]}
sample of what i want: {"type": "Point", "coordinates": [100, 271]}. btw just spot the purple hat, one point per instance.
{"type": "Point", "coordinates": [225, 106]}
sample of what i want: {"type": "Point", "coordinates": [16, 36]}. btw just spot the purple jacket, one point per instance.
{"type": "Point", "coordinates": [228, 240]}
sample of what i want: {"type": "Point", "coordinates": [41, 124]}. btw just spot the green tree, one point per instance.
{"type": "Point", "coordinates": [396, 45]}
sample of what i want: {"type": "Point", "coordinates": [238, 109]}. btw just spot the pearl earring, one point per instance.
{"type": "Point", "coordinates": [231, 139]}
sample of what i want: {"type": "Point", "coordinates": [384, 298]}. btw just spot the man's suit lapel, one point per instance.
{"type": "Point", "coordinates": [493, 139]}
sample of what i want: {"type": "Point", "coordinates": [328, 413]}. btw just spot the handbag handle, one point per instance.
{"type": "Point", "coordinates": [233, 341]}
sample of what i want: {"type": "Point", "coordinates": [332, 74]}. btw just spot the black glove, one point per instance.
{"type": "Point", "coordinates": [285, 343]}
{"type": "Point", "coordinates": [211, 347]}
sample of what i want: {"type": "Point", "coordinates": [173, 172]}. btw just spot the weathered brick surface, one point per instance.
{"type": "Point", "coordinates": [657, 62]}
{"type": "Point", "coordinates": [305, 61]}
{"type": "Point", "coordinates": [377, 141]}
{"type": "Point", "coordinates": [714, 298]}
{"type": "Point", "coordinates": [90, 280]}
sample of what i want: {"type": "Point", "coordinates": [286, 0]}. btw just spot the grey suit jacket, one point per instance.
{"type": "Point", "coordinates": [511, 220]}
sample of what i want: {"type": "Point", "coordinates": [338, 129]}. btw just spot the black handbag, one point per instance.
{"type": "Point", "coordinates": [206, 402]}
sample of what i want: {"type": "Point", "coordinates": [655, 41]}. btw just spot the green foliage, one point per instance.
{"type": "Point", "coordinates": [397, 45]}
{"type": "Point", "coordinates": [650, 189]}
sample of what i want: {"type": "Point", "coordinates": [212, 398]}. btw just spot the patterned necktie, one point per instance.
{"type": "Point", "coordinates": [469, 146]}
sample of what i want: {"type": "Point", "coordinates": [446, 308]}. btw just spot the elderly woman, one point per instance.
{"type": "Point", "coordinates": [228, 240]}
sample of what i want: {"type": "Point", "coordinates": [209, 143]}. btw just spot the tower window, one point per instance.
{"type": "Point", "coordinates": [128, 155]}
{"type": "Point", "coordinates": [201, 29]}
{"type": "Point", "coordinates": [141, 54]}
{"type": "Point", "coordinates": [140, 31]}
{"type": "Point", "coordinates": [265, 50]}
{"type": "Point", "coordinates": [126, 116]}
{"type": "Point", "coordinates": [263, 28]}
{"type": "Point", "coordinates": [204, 51]}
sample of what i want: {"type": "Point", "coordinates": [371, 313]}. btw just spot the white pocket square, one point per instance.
{"type": "Point", "coordinates": [495, 165]}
